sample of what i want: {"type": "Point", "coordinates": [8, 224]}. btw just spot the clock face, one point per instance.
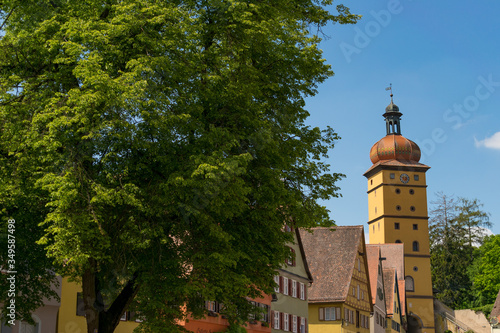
{"type": "Point", "coordinates": [404, 178]}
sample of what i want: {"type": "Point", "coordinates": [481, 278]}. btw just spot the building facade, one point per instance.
{"type": "Point", "coordinates": [340, 297]}
{"type": "Point", "coordinates": [45, 317]}
{"type": "Point", "coordinates": [289, 309]}
{"type": "Point", "coordinates": [397, 203]}
{"type": "Point", "coordinates": [378, 322]}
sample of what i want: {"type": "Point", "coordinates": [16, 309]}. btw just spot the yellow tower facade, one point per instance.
{"type": "Point", "coordinates": [397, 203]}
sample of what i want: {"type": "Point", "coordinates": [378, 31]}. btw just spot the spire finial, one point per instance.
{"type": "Point", "coordinates": [390, 88]}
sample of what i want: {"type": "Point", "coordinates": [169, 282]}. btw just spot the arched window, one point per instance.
{"type": "Point", "coordinates": [415, 246]}
{"type": "Point", "coordinates": [398, 241]}
{"type": "Point", "coordinates": [409, 283]}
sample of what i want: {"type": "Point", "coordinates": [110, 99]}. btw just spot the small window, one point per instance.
{"type": "Point", "coordinates": [373, 228]}
{"type": "Point", "coordinates": [415, 246]}
{"type": "Point", "coordinates": [392, 176]}
{"type": "Point", "coordinates": [277, 283]}
{"type": "Point", "coordinates": [416, 177]}
{"type": "Point", "coordinates": [415, 268]}
{"type": "Point", "coordinates": [415, 227]}
{"type": "Point", "coordinates": [371, 181]}
{"type": "Point", "coordinates": [276, 320]}
{"type": "Point", "coordinates": [398, 191]}
{"type": "Point", "coordinates": [409, 284]}
{"type": "Point", "coordinates": [412, 191]}
{"type": "Point", "coordinates": [396, 225]}
{"type": "Point", "coordinates": [375, 210]}
{"type": "Point", "coordinates": [412, 208]}
{"type": "Point", "coordinates": [398, 241]}
{"type": "Point", "coordinates": [398, 207]}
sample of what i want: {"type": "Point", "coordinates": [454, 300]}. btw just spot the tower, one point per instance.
{"type": "Point", "coordinates": [397, 203]}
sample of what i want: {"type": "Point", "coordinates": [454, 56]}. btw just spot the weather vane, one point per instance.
{"type": "Point", "coordinates": [390, 88]}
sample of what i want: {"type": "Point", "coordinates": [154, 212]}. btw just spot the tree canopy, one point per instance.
{"type": "Point", "coordinates": [456, 228]}
{"type": "Point", "coordinates": [155, 149]}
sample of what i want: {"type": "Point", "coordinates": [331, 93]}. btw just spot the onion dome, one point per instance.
{"type": "Point", "coordinates": [394, 146]}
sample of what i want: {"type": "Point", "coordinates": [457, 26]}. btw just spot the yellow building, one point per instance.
{"type": "Point", "coordinates": [71, 314]}
{"type": "Point", "coordinates": [340, 298]}
{"type": "Point", "coordinates": [397, 203]}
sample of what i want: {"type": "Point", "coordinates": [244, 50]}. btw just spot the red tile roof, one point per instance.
{"type": "Point", "coordinates": [402, 296]}
{"type": "Point", "coordinates": [331, 255]}
{"type": "Point", "coordinates": [373, 257]}
{"type": "Point", "coordinates": [389, 280]}
{"type": "Point", "coordinates": [394, 257]}
{"type": "Point", "coordinates": [495, 312]}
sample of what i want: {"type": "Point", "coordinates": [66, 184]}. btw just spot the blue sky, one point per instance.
{"type": "Point", "coordinates": [443, 60]}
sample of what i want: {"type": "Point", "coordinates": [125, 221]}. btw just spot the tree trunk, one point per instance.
{"type": "Point", "coordinates": [100, 320]}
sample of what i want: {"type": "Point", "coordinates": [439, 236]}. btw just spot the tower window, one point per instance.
{"type": "Point", "coordinates": [373, 227]}
{"type": "Point", "coordinates": [412, 191]}
{"type": "Point", "coordinates": [415, 268]}
{"type": "Point", "coordinates": [398, 207]}
{"type": "Point", "coordinates": [410, 284]}
{"type": "Point", "coordinates": [398, 241]}
{"type": "Point", "coordinates": [396, 225]}
{"type": "Point", "coordinates": [371, 181]}
{"type": "Point", "coordinates": [416, 177]}
{"type": "Point", "coordinates": [416, 247]}
{"type": "Point", "coordinates": [392, 176]}
{"type": "Point", "coordinates": [412, 208]}
{"type": "Point", "coordinates": [415, 227]}
{"type": "Point", "coordinates": [398, 191]}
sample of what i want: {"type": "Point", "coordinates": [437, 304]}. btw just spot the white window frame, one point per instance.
{"type": "Point", "coordinates": [302, 291]}
{"type": "Point", "coordinates": [286, 323]}
{"type": "Point", "coordinates": [285, 286]}
{"type": "Point", "coordinates": [358, 292]}
{"type": "Point", "coordinates": [294, 288]}
{"type": "Point", "coordinates": [276, 320]}
{"type": "Point", "coordinates": [330, 314]}
{"type": "Point", "coordinates": [277, 281]}
{"type": "Point", "coordinates": [294, 324]}
{"type": "Point", "coordinates": [302, 325]}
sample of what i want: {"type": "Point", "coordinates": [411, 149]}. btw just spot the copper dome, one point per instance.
{"type": "Point", "coordinates": [395, 147]}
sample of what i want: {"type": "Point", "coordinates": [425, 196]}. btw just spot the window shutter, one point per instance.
{"type": "Point", "coordinates": [272, 319]}
{"type": "Point", "coordinates": [307, 327]}
{"type": "Point", "coordinates": [282, 324]}
{"type": "Point", "coordinates": [321, 313]}
{"type": "Point", "coordinates": [337, 313]}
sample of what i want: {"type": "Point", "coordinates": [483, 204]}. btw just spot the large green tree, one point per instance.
{"type": "Point", "coordinates": [156, 148]}
{"type": "Point", "coordinates": [485, 273]}
{"type": "Point", "coordinates": [456, 228]}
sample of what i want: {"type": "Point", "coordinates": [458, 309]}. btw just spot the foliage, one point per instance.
{"type": "Point", "coordinates": [455, 228]}
{"type": "Point", "coordinates": [486, 309]}
{"type": "Point", "coordinates": [156, 148]}
{"type": "Point", "coordinates": [484, 272]}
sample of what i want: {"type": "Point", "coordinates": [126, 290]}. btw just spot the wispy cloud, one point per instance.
{"type": "Point", "coordinates": [492, 142]}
